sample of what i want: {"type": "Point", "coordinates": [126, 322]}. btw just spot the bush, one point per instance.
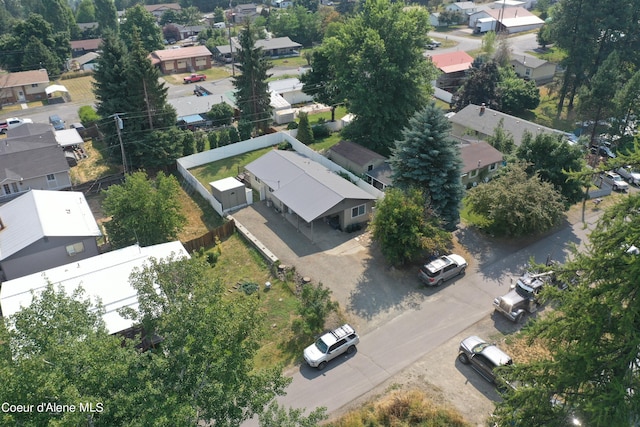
{"type": "Point", "coordinates": [221, 114]}
{"type": "Point", "coordinates": [88, 116]}
{"type": "Point", "coordinates": [292, 125]}
{"type": "Point", "coordinates": [320, 131]}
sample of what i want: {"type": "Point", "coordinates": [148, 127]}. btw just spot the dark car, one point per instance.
{"type": "Point", "coordinates": [483, 357]}
{"type": "Point", "coordinates": [56, 122]}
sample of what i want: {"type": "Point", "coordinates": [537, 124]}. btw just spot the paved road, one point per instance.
{"type": "Point", "coordinates": [401, 330]}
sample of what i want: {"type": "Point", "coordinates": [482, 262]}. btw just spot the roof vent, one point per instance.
{"type": "Point", "coordinates": [482, 108]}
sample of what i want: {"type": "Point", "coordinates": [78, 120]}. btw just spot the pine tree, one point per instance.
{"type": "Point", "coordinates": [427, 158]}
{"type": "Point", "coordinates": [252, 91]}
{"type": "Point", "coordinates": [147, 104]}
{"type": "Point", "coordinates": [106, 15]}
{"type": "Point", "coordinates": [305, 132]}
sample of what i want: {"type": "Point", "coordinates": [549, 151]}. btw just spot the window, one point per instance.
{"type": "Point", "coordinates": [358, 211]}
{"type": "Point", "coordinates": [473, 173]}
{"type": "Point", "coordinates": [14, 187]}
{"type": "Point", "coordinates": [6, 188]}
{"type": "Point", "coordinates": [370, 167]}
{"type": "Point", "coordinates": [527, 72]}
{"type": "Point", "coordinates": [257, 180]}
{"type": "Point", "coordinates": [34, 84]}
{"type": "Point", "coordinates": [493, 166]}
{"type": "Point", "coordinates": [51, 177]}
{"type": "Point", "coordinates": [75, 249]}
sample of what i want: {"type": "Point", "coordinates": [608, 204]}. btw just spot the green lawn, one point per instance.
{"type": "Point", "coordinates": [224, 168]}
{"type": "Point", "coordinates": [238, 262]}
{"type": "Point", "coordinates": [322, 145]}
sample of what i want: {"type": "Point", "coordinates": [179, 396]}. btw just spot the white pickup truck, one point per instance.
{"type": "Point", "coordinates": [12, 122]}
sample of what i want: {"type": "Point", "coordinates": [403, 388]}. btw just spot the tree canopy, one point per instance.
{"type": "Point", "coordinates": [404, 228]}
{"type": "Point", "coordinates": [426, 157]}
{"type": "Point", "coordinates": [143, 211]}
{"type": "Point", "coordinates": [515, 204]}
{"type": "Point", "coordinates": [252, 90]}
{"type": "Point", "coordinates": [480, 87]}
{"type": "Point", "coordinates": [149, 34]}
{"type": "Point", "coordinates": [378, 64]}
{"type": "Point", "coordinates": [551, 157]}
{"type": "Point", "coordinates": [58, 350]}
{"type": "Point", "coordinates": [592, 335]}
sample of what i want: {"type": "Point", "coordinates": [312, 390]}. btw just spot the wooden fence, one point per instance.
{"type": "Point", "coordinates": [206, 240]}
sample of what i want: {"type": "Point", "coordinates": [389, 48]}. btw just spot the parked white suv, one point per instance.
{"type": "Point", "coordinates": [615, 181]}
{"type": "Point", "coordinates": [631, 175]}
{"type": "Point", "coordinates": [331, 345]}
{"type": "Point", "coordinates": [441, 269]}
{"type": "Point", "coordinates": [11, 123]}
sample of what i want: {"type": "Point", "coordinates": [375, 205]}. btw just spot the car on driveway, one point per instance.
{"type": "Point", "coordinates": [483, 357]}
{"type": "Point", "coordinates": [331, 345]}
{"type": "Point", "coordinates": [56, 122]}
{"type": "Point", "coordinates": [443, 268]}
{"type": "Point", "coordinates": [615, 181]}
{"type": "Point", "coordinates": [12, 122]}
{"type": "Point", "coordinates": [630, 174]}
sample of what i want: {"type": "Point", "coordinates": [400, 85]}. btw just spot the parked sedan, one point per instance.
{"type": "Point", "coordinates": [483, 357]}
{"type": "Point", "coordinates": [441, 269]}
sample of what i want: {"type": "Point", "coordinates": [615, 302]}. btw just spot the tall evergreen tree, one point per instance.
{"type": "Point", "coordinates": [427, 158]}
{"type": "Point", "coordinates": [305, 133]}
{"type": "Point", "coordinates": [148, 108]}
{"type": "Point", "coordinates": [252, 90]}
{"type": "Point", "coordinates": [381, 70]}
{"type": "Point", "coordinates": [591, 335]}
{"type": "Point", "coordinates": [110, 77]}
{"type": "Point", "coordinates": [106, 15]}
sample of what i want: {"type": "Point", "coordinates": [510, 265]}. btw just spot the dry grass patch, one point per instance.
{"type": "Point", "coordinates": [521, 351]}
{"type": "Point", "coordinates": [95, 166]}
{"type": "Point", "coordinates": [412, 408]}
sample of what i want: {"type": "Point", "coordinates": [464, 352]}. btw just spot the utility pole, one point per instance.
{"type": "Point", "coordinates": [119, 125]}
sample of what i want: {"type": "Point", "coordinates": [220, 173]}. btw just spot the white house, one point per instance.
{"type": "Point", "coordinates": [104, 277]}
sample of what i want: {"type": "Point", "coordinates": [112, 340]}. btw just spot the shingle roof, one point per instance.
{"type": "Point", "coordinates": [90, 44]}
{"type": "Point", "coordinates": [471, 117]}
{"type": "Point", "coordinates": [307, 187]}
{"type": "Point", "coordinates": [103, 276]}
{"type": "Point", "coordinates": [277, 43]}
{"type": "Point", "coordinates": [451, 62]}
{"type": "Point", "coordinates": [529, 61]}
{"type": "Point", "coordinates": [30, 150]}
{"type": "Point", "coordinates": [22, 78]}
{"type": "Point", "coordinates": [477, 155]}
{"type": "Point", "coordinates": [41, 213]}
{"type": "Point", "coordinates": [182, 53]}
{"type": "Point", "coordinates": [356, 153]}
{"type": "Point", "coordinates": [382, 173]}
{"type": "Point", "coordinates": [164, 6]}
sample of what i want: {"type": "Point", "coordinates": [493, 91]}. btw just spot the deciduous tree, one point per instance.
{"type": "Point", "coordinates": [149, 34]}
{"type": "Point", "coordinates": [427, 158]}
{"type": "Point", "coordinates": [377, 57]}
{"type": "Point", "coordinates": [106, 15]}
{"type": "Point", "coordinates": [404, 229]}
{"type": "Point", "coordinates": [480, 87]}
{"type": "Point", "coordinates": [143, 211]}
{"type": "Point", "coordinates": [277, 416]}
{"type": "Point", "coordinates": [549, 156]}
{"type": "Point", "coordinates": [515, 94]}
{"type": "Point", "coordinates": [515, 204]}
{"type": "Point", "coordinates": [320, 82]}
{"type": "Point", "coordinates": [205, 371]}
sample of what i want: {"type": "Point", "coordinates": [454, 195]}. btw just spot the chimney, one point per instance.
{"type": "Point", "coordinates": [482, 108]}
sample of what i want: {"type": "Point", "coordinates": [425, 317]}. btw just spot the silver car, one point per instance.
{"type": "Point", "coordinates": [483, 357]}
{"type": "Point", "coordinates": [441, 269]}
{"type": "Point", "coordinates": [331, 345]}
{"type": "Point", "coordinates": [631, 175]}
{"type": "Point", "coordinates": [615, 181]}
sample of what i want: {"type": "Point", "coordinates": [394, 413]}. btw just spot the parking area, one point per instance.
{"type": "Point", "coordinates": [346, 263]}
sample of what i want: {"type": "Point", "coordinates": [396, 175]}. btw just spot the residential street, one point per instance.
{"type": "Point", "coordinates": [400, 322]}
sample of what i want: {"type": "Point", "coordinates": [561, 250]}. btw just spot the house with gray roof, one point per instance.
{"type": "Point", "coordinates": [297, 185]}
{"type": "Point", "coordinates": [380, 177]}
{"type": "Point", "coordinates": [354, 157]}
{"type": "Point", "coordinates": [31, 159]}
{"type": "Point", "coordinates": [480, 161]}
{"type": "Point", "coordinates": [45, 229]}
{"type": "Point", "coordinates": [532, 68]}
{"type": "Point", "coordinates": [23, 86]}
{"type": "Point", "coordinates": [475, 122]}
{"type": "Point", "coordinates": [276, 47]}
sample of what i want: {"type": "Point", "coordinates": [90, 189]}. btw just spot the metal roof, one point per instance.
{"type": "Point", "coordinates": [104, 277]}
{"type": "Point", "coordinates": [68, 137]}
{"type": "Point", "coordinates": [356, 153]}
{"type": "Point", "coordinates": [452, 62]}
{"type": "Point", "coordinates": [225, 184]}
{"type": "Point", "coordinates": [306, 187]}
{"type": "Point", "coordinates": [41, 213]}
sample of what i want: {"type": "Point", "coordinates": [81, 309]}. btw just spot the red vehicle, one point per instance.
{"type": "Point", "coordinates": [193, 78]}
